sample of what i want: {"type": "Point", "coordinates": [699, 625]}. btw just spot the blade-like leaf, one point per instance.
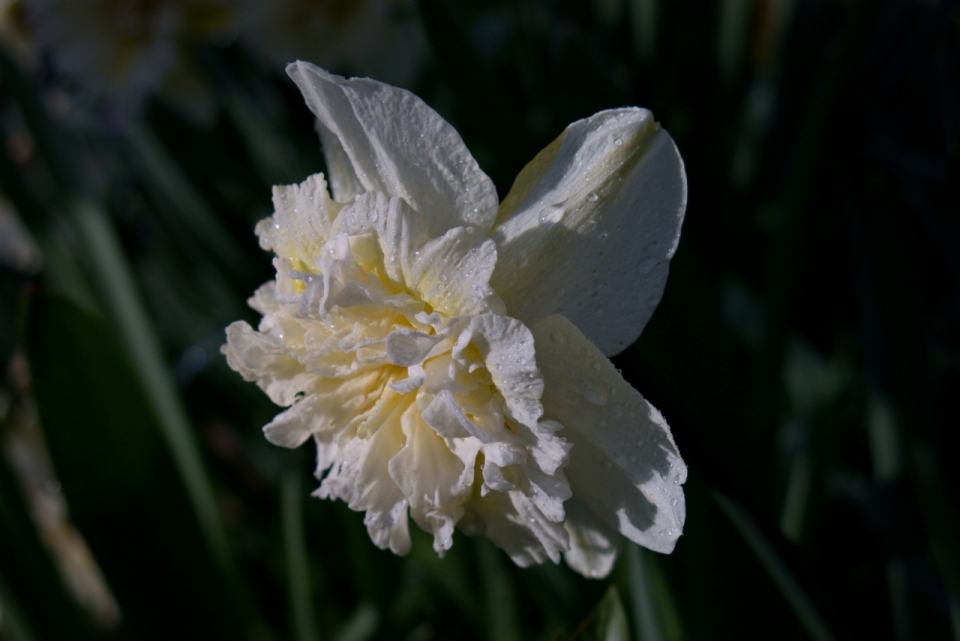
{"type": "Point", "coordinates": [124, 491]}
{"type": "Point", "coordinates": [779, 574]}
{"type": "Point", "coordinates": [607, 621]}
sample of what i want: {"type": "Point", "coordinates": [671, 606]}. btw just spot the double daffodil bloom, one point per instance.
{"type": "Point", "coordinates": [448, 353]}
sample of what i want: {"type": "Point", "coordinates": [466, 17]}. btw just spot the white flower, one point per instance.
{"type": "Point", "coordinates": [446, 352]}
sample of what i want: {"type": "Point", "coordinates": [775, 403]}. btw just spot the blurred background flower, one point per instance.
{"type": "Point", "coordinates": [806, 352]}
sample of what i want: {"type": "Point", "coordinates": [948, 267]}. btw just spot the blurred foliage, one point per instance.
{"type": "Point", "coordinates": [806, 352]}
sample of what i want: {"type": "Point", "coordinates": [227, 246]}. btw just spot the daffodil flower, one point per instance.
{"type": "Point", "coordinates": [448, 353]}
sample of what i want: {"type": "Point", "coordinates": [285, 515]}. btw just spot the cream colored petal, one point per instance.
{"type": "Point", "coordinates": [401, 147]}
{"type": "Point", "coordinates": [590, 226]}
{"type": "Point", "coordinates": [624, 464]}
{"type": "Point", "coordinates": [302, 220]}
{"type": "Point", "coordinates": [433, 479]}
{"type": "Point", "coordinates": [343, 180]}
{"type": "Point", "coordinates": [594, 546]}
{"type": "Point", "coordinates": [361, 479]}
{"type": "Point", "coordinates": [331, 405]}
{"type": "Point", "coordinates": [451, 273]}
{"type": "Point", "coordinates": [263, 359]}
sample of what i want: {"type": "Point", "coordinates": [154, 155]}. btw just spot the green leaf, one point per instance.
{"type": "Point", "coordinates": [121, 482]}
{"type": "Point", "coordinates": [298, 562]}
{"type": "Point", "coordinates": [792, 592]}
{"type": "Point", "coordinates": [607, 621]}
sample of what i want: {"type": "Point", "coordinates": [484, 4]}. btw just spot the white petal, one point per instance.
{"type": "Point", "coordinates": [590, 226]}
{"type": "Point", "coordinates": [448, 420]}
{"type": "Point", "coordinates": [516, 525]}
{"type": "Point", "coordinates": [594, 546]}
{"type": "Point", "coordinates": [406, 347]}
{"type": "Point", "coordinates": [343, 180]}
{"type": "Point", "coordinates": [507, 348]}
{"type": "Point", "coordinates": [624, 464]}
{"type": "Point", "coordinates": [401, 147]}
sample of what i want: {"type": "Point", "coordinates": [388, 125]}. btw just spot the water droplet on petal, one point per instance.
{"type": "Point", "coordinates": [618, 142]}
{"type": "Point", "coordinates": [674, 502]}
{"type": "Point", "coordinates": [595, 394]}
{"type": "Point", "coordinates": [592, 197]}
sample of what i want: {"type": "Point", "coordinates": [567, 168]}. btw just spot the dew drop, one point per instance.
{"type": "Point", "coordinates": [604, 236]}
{"type": "Point", "coordinates": [551, 216]}
{"type": "Point", "coordinates": [592, 197]}
{"type": "Point", "coordinates": [618, 142]}
{"type": "Point", "coordinates": [595, 394]}
{"type": "Point", "coordinates": [674, 502]}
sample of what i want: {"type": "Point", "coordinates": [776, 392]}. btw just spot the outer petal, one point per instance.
{"type": "Point", "coordinates": [343, 179]}
{"type": "Point", "coordinates": [401, 147]}
{"type": "Point", "coordinates": [590, 225]}
{"type": "Point", "coordinates": [624, 464]}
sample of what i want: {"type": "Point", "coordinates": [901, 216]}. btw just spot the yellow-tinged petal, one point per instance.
{"type": "Point", "coordinates": [590, 226]}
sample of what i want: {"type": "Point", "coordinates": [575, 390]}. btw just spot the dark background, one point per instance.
{"type": "Point", "coordinates": [806, 352]}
